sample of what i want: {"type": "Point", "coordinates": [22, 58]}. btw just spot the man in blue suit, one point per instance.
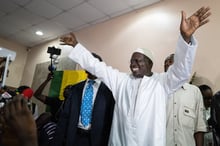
{"type": "Point", "coordinates": [71, 130]}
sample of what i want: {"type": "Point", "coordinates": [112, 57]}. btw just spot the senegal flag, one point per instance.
{"type": "Point", "coordinates": [63, 78]}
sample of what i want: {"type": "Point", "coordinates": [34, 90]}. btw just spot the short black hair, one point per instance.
{"type": "Point", "coordinates": [204, 87]}
{"type": "Point", "coordinates": [96, 56]}
{"type": "Point", "coordinates": [20, 89]}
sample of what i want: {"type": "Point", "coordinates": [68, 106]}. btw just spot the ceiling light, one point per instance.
{"type": "Point", "coordinates": [39, 33]}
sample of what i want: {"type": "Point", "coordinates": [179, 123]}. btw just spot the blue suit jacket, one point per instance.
{"type": "Point", "coordinates": [101, 117]}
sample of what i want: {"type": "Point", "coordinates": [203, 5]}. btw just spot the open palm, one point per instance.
{"type": "Point", "coordinates": [190, 25]}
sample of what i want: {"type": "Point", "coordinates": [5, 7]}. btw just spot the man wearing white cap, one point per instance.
{"type": "Point", "coordinates": [140, 98]}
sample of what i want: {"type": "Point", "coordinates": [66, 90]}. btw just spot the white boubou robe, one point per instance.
{"type": "Point", "coordinates": [140, 110]}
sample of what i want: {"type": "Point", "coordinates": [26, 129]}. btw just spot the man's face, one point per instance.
{"type": "Point", "coordinates": [169, 61]}
{"type": "Point", "coordinates": [140, 65]}
{"type": "Point", "coordinates": [207, 96]}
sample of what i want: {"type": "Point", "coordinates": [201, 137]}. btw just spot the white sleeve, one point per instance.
{"type": "Point", "coordinates": [111, 77]}
{"type": "Point", "coordinates": [180, 71]}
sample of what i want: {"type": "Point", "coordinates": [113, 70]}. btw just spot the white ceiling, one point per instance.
{"type": "Point", "coordinates": [20, 19]}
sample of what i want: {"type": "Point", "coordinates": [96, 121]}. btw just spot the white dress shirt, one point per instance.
{"type": "Point", "coordinates": [95, 90]}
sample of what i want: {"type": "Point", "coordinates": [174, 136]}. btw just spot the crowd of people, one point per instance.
{"type": "Point", "coordinates": [112, 108]}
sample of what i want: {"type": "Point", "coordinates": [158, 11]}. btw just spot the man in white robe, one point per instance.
{"type": "Point", "coordinates": [140, 98]}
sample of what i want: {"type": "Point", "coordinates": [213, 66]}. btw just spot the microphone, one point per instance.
{"type": "Point", "coordinates": [28, 93]}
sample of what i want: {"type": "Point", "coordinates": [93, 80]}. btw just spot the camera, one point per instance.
{"type": "Point", "coordinates": [53, 50]}
{"type": "Point", "coordinates": [54, 53]}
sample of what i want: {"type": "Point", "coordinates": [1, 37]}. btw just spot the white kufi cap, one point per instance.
{"type": "Point", "coordinates": [145, 52]}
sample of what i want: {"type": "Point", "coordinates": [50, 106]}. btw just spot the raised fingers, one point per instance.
{"type": "Point", "coordinates": [203, 13]}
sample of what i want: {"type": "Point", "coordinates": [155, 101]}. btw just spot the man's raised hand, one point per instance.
{"type": "Point", "coordinates": [69, 39]}
{"type": "Point", "coordinates": [189, 25]}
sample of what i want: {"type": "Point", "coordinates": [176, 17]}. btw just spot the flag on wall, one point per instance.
{"type": "Point", "coordinates": [63, 78]}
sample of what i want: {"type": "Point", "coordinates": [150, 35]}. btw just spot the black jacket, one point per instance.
{"type": "Point", "coordinates": [215, 118]}
{"type": "Point", "coordinates": [101, 117]}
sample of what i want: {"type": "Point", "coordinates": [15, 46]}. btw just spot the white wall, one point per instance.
{"type": "Point", "coordinates": [155, 27]}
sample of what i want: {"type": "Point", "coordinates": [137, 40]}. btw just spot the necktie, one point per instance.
{"type": "Point", "coordinates": [86, 107]}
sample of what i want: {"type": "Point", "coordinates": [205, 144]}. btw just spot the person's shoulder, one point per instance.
{"type": "Point", "coordinates": [79, 84]}
{"type": "Point", "coordinates": [194, 90]}
{"type": "Point", "coordinates": [191, 86]}
{"type": "Point", "coordinates": [103, 85]}
{"type": "Point", "coordinates": [50, 100]}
